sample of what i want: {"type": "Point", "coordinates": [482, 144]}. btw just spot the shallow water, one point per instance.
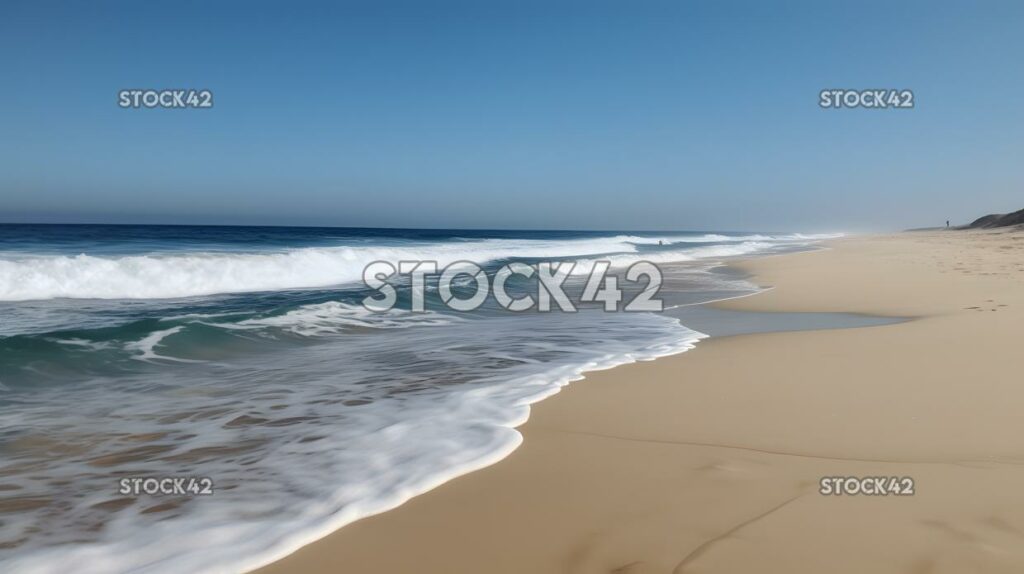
{"type": "Point", "coordinates": [725, 323]}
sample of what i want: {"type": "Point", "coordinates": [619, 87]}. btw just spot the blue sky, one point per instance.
{"type": "Point", "coordinates": [572, 115]}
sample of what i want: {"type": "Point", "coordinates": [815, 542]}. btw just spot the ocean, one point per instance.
{"type": "Point", "coordinates": [243, 356]}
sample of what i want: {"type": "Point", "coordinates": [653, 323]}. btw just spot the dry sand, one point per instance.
{"type": "Point", "coordinates": [709, 461]}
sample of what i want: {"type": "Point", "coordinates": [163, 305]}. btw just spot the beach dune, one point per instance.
{"type": "Point", "coordinates": [711, 461]}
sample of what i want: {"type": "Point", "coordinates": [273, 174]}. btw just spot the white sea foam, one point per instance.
{"type": "Point", "coordinates": [171, 275]}
{"type": "Point", "coordinates": [583, 266]}
{"type": "Point", "coordinates": [369, 458]}
{"type": "Point", "coordinates": [719, 238]}
{"type": "Point", "coordinates": [82, 343]}
{"type": "Point", "coordinates": [146, 347]}
{"type": "Point", "coordinates": [334, 317]}
{"type": "Point", "coordinates": [183, 275]}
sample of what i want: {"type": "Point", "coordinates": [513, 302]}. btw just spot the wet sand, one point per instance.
{"type": "Point", "coordinates": [710, 461]}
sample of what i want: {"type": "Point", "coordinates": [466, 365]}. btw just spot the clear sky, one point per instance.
{"type": "Point", "coordinates": [520, 114]}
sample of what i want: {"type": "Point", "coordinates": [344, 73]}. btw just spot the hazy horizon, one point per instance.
{"type": "Point", "coordinates": [357, 227]}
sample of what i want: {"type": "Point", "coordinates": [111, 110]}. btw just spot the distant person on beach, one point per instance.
{"type": "Point", "coordinates": [947, 224]}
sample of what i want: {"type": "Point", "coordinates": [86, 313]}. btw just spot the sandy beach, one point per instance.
{"type": "Point", "coordinates": [710, 461]}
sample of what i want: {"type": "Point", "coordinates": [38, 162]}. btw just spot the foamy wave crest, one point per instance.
{"type": "Point", "coordinates": [146, 347]}
{"type": "Point", "coordinates": [334, 317]}
{"type": "Point", "coordinates": [173, 275]}
{"type": "Point", "coordinates": [584, 266]}
{"type": "Point", "coordinates": [718, 238]}
{"type": "Point", "coordinates": [672, 239]}
{"type": "Point", "coordinates": [185, 275]}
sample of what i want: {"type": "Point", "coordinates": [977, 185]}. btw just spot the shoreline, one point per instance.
{"type": "Point", "coordinates": [561, 379]}
{"type": "Point", "coordinates": [658, 466]}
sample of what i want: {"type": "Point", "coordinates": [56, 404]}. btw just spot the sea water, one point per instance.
{"type": "Point", "coordinates": [244, 355]}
